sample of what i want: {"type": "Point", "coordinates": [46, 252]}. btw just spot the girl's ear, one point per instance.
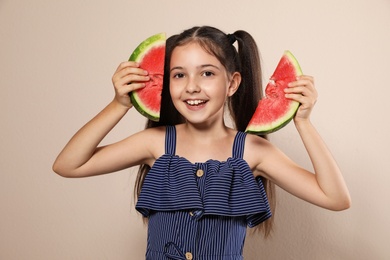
{"type": "Point", "coordinates": [234, 83]}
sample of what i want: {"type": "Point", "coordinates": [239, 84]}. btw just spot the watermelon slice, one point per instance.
{"type": "Point", "coordinates": [150, 54]}
{"type": "Point", "coordinates": [274, 111]}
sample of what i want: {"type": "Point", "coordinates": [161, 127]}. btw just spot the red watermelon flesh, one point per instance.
{"type": "Point", "coordinates": [150, 54]}
{"type": "Point", "coordinates": [274, 111]}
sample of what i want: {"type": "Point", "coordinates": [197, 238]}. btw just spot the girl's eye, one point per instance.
{"type": "Point", "coordinates": [208, 73]}
{"type": "Point", "coordinates": [178, 75]}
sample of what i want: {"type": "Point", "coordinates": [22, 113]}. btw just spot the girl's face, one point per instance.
{"type": "Point", "coordinates": [199, 83]}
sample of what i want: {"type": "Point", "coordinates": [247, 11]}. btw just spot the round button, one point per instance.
{"type": "Point", "coordinates": [189, 256]}
{"type": "Point", "coordinates": [191, 213]}
{"type": "Point", "coordinates": [199, 173]}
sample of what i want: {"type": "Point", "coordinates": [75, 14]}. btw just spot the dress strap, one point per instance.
{"type": "Point", "coordinates": [170, 140]}
{"type": "Point", "coordinates": [239, 145]}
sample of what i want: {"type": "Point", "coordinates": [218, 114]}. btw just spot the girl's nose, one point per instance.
{"type": "Point", "coordinates": [192, 86]}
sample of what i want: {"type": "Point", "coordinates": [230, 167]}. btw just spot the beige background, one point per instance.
{"type": "Point", "coordinates": [56, 63]}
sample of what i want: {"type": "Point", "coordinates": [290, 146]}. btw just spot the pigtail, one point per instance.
{"type": "Point", "coordinates": [244, 102]}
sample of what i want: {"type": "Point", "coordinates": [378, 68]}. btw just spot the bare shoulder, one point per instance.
{"type": "Point", "coordinates": [254, 142]}
{"type": "Point", "coordinates": [154, 138]}
{"type": "Point", "coordinates": [257, 149]}
{"type": "Point", "coordinates": [157, 132]}
{"type": "Point", "coordinates": [145, 146]}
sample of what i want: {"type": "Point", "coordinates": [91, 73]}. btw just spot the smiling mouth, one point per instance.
{"type": "Point", "coordinates": [195, 102]}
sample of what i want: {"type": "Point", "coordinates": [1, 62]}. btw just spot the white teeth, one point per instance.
{"type": "Point", "coordinates": [195, 102]}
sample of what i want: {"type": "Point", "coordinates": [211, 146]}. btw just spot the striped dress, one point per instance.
{"type": "Point", "coordinates": [200, 210]}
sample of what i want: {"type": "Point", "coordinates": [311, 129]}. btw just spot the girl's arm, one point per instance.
{"type": "Point", "coordinates": [325, 187]}
{"type": "Point", "coordinates": [81, 156]}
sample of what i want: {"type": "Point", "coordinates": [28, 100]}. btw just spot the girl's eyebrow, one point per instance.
{"type": "Point", "coordinates": [209, 65]}
{"type": "Point", "coordinates": [200, 66]}
{"type": "Point", "coordinates": [176, 68]}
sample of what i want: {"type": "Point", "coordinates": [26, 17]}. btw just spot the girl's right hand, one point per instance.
{"type": "Point", "coordinates": [127, 78]}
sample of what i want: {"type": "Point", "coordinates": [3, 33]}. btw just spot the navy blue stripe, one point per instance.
{"type": "Point", "coordinates": [170, 140]}
{"type": "Point", "coordinates": [239, 145]}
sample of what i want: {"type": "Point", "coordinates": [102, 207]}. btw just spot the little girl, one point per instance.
{"type": "Point", "coordinates": [201, 183]}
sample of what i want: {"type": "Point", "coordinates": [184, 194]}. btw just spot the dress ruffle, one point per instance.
{"type": "Point", "coordinates": [228, 189]}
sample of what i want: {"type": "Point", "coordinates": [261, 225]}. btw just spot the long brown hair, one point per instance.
{"type": "Point", "coordinates": [244, 59]}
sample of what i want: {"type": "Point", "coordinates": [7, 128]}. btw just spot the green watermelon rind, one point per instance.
{"type": "Point", "coordinates": [282, 121]}
{"type": "Point", "coordinates": [137, 55]}
{"type": "Point", "coordinates": [277, 125]}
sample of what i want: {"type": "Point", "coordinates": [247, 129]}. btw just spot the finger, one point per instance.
{"type": "Point", "coordinates": [301, 82]}
{"type": "Point", "coordinates": [126, 68]}
{"type": "Point", "coordinates": [126, 64]}
{"type": "Point", "coordinates": [304, 78]}
{"type": "Point", "coordinates": [306, 103]}
{"type": "Point", "coordinates": [126, 85]}
{"type": "Point", "coordinates": [126, 89]}
{"type": "Point", "coordinates": [302, 90]}
{"type": "Point", "coordinates": [131, 70]}
{"type": "Point", "coordinates": [136, 86]}
{"type": "Point", "coordinates": [305, 86]}
{"type": "Point", "coordinates": [129, 79]}
{"type": "Point", "coordinates": [296, 97]}
{"type": "Point", "coordinates": [131, 74]}
{"type": "Point", "coordinates": [303, 97]}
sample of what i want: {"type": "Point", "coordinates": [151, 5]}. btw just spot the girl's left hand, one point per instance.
{"type": "Point", "coordinates": [303, 91]}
